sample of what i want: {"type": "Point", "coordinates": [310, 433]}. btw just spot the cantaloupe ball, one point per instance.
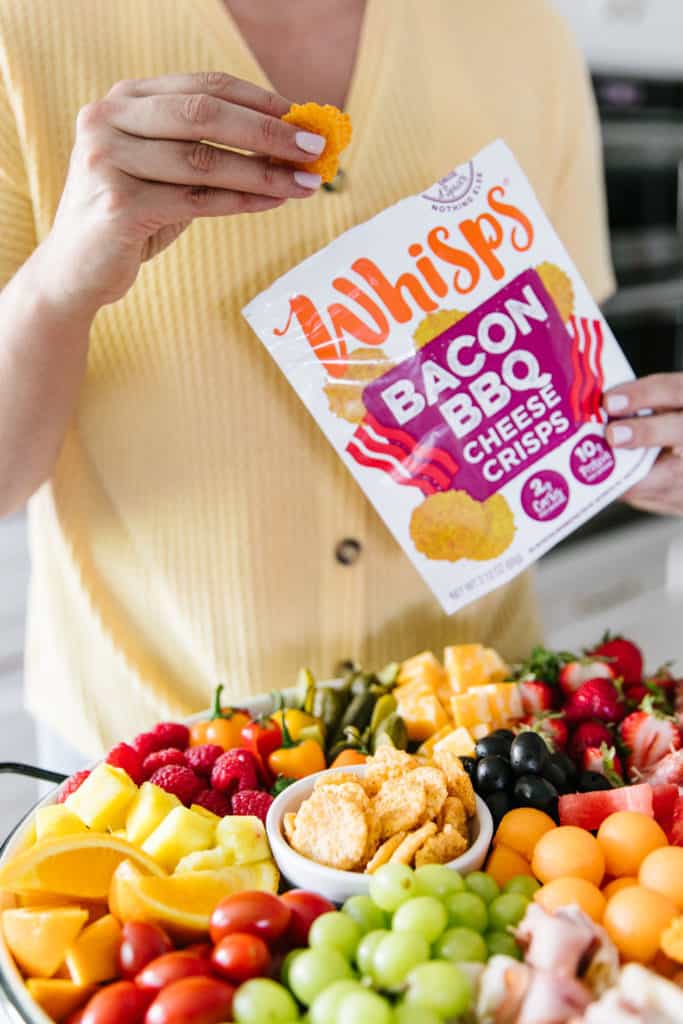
{"type": "Point", "coordinates": [635, 919]}
{"type": "Point", "coordinates": [626, 838]}
{"type": "Point", "coordinates": [563, 892]}
{"type": "Point", "coordinates": [616, 885]}
{"type": "Point", "coordinates": [662, 871]}
{"type": "Point", "coordinates": [504, 864]}
{"type": "Point", "coordinates": [521, 828]}
{"type": "Point", "coordinates": [568, 851]}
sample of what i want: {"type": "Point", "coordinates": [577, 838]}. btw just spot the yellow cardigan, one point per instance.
{"type": "Point", "coordinates": [190, 533]}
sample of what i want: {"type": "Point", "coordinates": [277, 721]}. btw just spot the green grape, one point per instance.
{"type": "Point", "coordinates": [483, 885]}
{"type": "Point", "coordinates": [325, 1005]}
{"type": "Point", "coordinates": [440, 986]}
{"type": "Point", "coordinates": [438, 880]}
{"type": "Point", "coordinates": [392, 885]}
{"type": "Point", "coordinates": [365, 913]}
{"type": "Point", "coordinates": [364, 1006]}
{"type": "Point", "coordinates": [462, 945]}
{"type": "Point", "coordinates": [395, 956]}
{"type": "Point", "coordinates": [314, 970]}
{"type": "Point", "coordinates": [261, 1000]}
{"type": "Point", "coordinates": [468, 911]}
{"type": "Point", "coordinates": [335, 930]}
{"type": "Point", "coordinates": [404, 1014]}
{"type": "Point", "coordinates": [424, 915]}
{"type": "Point", "coordinates": [287, 965]}
{"type": "Point", "coordinates": [507, 910]}
{"type": "Point", "coordinates": [524, 884]}
{"type": "Point", "coordinates": [366, 949]}
{"type": "Point", "coordinates": [502, 944]}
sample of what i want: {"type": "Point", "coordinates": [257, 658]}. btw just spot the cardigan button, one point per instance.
{"type": "Point", "coordinates": [347, 551]}
{"type": "Point", "coordinates": [338, 183]}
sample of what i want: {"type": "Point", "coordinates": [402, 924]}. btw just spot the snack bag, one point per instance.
{"type": "Point", "coordinates": [455, 359]}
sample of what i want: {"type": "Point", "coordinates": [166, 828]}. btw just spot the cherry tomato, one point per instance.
{"type": "Point", "coordinates": [257, 913]}
{"type": "Point", "coordinates": [141, 942]}
{"type": "Point", "coordinates": [169, 968]}
{"type": "Point", "coordinates": [76, 1017]}
{"type": "Point", "coordinates": [120, 1003]}
{"type": "Point", "coordinates": [304, 907]}
{"type": "Point", "coordinates": [203, 949]}
{"type": "Point", "coordinates": [192, 1001]}
{"type": "Point", "coordinates": [240, 956]}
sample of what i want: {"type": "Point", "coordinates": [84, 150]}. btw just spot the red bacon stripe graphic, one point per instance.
{"type": "Point", "coordinates": [586, 355]}
{"type": "Point", "coordinates": [404, 438]}
{"type": "Point", "coordinates": [395, 452]}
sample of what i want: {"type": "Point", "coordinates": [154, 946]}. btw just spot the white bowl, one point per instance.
{"type": "Point", "coordinates": [339, 885]}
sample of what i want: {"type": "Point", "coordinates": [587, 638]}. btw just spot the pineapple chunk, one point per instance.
{"type": "Point", "coordinates": [198, 809]}
{"type": "Point", "coordinates": [93, 957]}
{"type": "Point", "coordinates": [57, 820]}
{"type": "Point", "coordinates": [422, 712]}
{"type": "Point", "coordinates": [457, 741]}
{"type": "Point", "coordinates": [423, 668]}
{"type": "Point", "coordinates": [150, 807]}
{"type": "Point", "coordinates": [203, 860]}
{"type": "Point", "coordinates": [243, 838]}
{"type": "Point", "coordinates": [102, 801]}
{"type": "Point", "coordinates": [181, 832]}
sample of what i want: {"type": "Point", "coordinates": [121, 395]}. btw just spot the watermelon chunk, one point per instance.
{"type": "Point", "coordinates": [589, 810]}
{"type": "Point", "coordinates": [676, 833]}
{"type": "Point", "coordinates": [663, 802]}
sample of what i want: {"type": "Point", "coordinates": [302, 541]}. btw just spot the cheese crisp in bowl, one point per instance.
{"type": "Point", "coordinates": [331, 831]}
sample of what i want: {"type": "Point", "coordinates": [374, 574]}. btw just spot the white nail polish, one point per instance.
{"type": "Point", "coordinates": [307, 180]}
{"type": "Point", "coordinates": [310, 143]}
{"type": "Point", "coordinates": [621, 434]}
{"type": "Point", "coordinates": [616, 403]}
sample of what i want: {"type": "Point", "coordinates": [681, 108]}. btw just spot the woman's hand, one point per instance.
{"type": "Point", "coordinates": [662, 490]}
{"type": "Point", "coordinates": [141, 171]}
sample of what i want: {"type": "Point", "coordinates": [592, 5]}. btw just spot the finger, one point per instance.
{"type": "Point", "coordinates": [197, 117]}
{"type": "Point", "coordinates": [197, 163]}
{"type": "Point", "coordinates": [213, 83]}
{"type": "Point", "coordinates": [659, 391]}
{"type": "Point", "coordinates": [662, 431]}
{"type": "Point", "coordinates": [655, 492]}
{"type": "Point", "coordinates": [172, 203]}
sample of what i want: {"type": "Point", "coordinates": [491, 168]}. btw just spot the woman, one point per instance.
{"type": "Point", "coordinates": [189, 523]}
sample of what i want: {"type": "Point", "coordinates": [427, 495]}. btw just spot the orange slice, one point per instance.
{"type": "Point", "coordinates": [57, 997]}
{"type": "Point", "coordinates": [39, 939]}
{"type": "Point", "coordinates": [183, 903]}
{"type": "Point", "coordinates": [322, 120]}
{"type": "Point", "coordinates": [79, 865]}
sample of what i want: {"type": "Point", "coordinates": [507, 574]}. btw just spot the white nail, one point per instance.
{"type": "Point", "coordinates": [616, 403]}
{"type": "Point", "coordinates": [307, 180]}
{"type": "Point", "coordinates": [621, 434]}
{"type": "Point", "coordinates": [310, 143]}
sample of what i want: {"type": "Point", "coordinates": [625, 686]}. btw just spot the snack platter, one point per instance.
{"type": "Point", "coordinates": [483, 819]}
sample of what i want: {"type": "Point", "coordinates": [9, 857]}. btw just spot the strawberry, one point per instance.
{"type": "Point", "coordinates": [252, 801]}
{"type": "Point", "coordinates": [669, 769]}
{"type": "Point", "coordinates": [201, 759]}
{"type": "Point", "coordinates": [635, 694]}
{"type": "Point", "coordinates": [649, 736]}
{"type": "Point", "coordinates": [162, 736]}
{"type": "Point", "coordinates": [235, 770]}
{"type": "Point", "coordinates": [160, 758]}
{"type": "Point", "coordinates": [551, 726]}
{"type": "Point", "coordinates": [676, 833]}
{"type": "Point", "coordinates": [588, 734]}
{"type": "Point", "coordinates": [624, 657]}
{"type": "Point", "coordinates": [179, 780]}
{"type": "Point", "coordinates": [605, 761]}
{"type": "Point", "coordinates": [212, 800]}
{"type": "Point", "coordinates": [575, 673]}
{"type": "Point", "coordinates": [71, 785]}
{"type": "Point", "coordinates": [536, 695]}
{"type": "Point", "coordinates": [126, 757]}
{"type": "Point", "coordinates": [596, 698]}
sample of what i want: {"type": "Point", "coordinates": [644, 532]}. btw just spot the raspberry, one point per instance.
{"type": "Point", "coordinates": [160, 758]}
{"type": "Point", "coordinates": [252, 801]}
{"type": "Point", "coordinates": [179, 780]}
{"type": "Point", "coordinates": [161, 737]}
{"type": "Point", "coordinates": [214, 801]}
{"type": "Point", "coordinates": [71, 785]}
{"type": "Point", "coordinates": [235, 770]}
{"type": "Point", "coordinates": [202, 759]}
{"type": "Point", "coordinates": [126, 757]}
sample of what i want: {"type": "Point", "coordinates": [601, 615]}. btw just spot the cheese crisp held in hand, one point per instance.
{"type": "Point", "coordinates": [455, 359]}
{"type": "Point", "coordinates": [404, 810]}
{"type": "Point", "coordinates": [322, 120]}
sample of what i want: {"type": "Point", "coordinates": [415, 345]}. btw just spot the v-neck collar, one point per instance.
{"type": "Point", "coordinates": [370, 54]}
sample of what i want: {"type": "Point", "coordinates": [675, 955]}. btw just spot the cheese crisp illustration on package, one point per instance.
{"type": "Point", "coordinates": [455, 359]}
